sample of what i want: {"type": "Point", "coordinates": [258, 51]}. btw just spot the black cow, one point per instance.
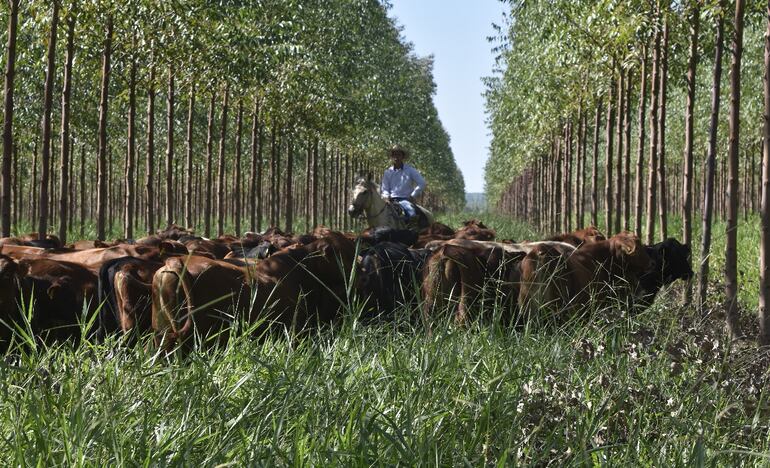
{"type": "Point", "coordinates": [388, 234]}
{"type": "Point", "coordinates": [671, 261]}
{"type": "Point", "coordinates": [389, 275]}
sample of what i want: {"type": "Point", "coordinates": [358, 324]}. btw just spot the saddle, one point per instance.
{"type": "Point", "coordinates": [414, 223]}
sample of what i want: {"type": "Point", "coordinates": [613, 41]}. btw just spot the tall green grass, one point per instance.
{"type": "Point", "coordinates": [652, 388]}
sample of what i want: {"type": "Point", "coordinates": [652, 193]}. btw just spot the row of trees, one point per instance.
{"type": "Point", "coordinates": [618, 112]}
{"type": "Point", "coordinates": [216, 116]}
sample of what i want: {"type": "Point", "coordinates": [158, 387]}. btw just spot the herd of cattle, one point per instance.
{"type": "Point", "coordinates": [178, 286]}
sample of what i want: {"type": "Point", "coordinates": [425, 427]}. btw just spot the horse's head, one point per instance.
{"type": "Point", "coordinates": [363, 193]}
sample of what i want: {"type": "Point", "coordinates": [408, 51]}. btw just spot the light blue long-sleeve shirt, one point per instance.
{"type": "Point", "coordinates": [402, 183]}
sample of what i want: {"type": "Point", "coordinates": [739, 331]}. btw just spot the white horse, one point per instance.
{"type": "Point", "coordinates": [368, 202]}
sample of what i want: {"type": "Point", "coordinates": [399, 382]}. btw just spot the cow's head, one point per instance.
{"type": "Point", "coordinates": [673, 260]}
{"type": "Point", "coordinates": [628, 250]}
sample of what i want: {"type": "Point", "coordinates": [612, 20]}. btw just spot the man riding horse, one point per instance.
{"type": "Point", "coordinates": [401, 183]}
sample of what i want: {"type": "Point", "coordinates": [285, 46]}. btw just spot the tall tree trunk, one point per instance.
{"type": "Point", "coordinates": [558, 205]}
{"type": "Point", "coordinates": [663, 198]}
{"type": "Point", "coordinates": [237, 188]}
{"type": "Point", "coordinates": [619, 136]}
{"type": "Point", "coordinates": [17, 189]}
{"type": "Point", "coordinates": [595, 168]}
{"type": "Point", "coordinates": [567, 178]}
{"type": "Point", "coordinates": [260, 198]}
{"type": "Point", "coordinates": [764, 252]}
{"type": "Point", "coordinates": [209, 166]}
{"type": "Point", "coordinates": [731, 256]}
{"type": "Point", "coordinates": [652, 172]}
{"type": "Point", "coordinates": [34, 196]}
{"type": "Point", "coordinates": [221, 166]}
{"type": "Point", "coordinates": [273, 186]}
{"type": "Point", "coordinates": [627, 155]}
{"type": "Point", "coordinates": [188, 183]}
{"type": "Point", "coordinates": [46, 129]}
{"type": "Point", "coordinates": [580, 172]}
{"type": "Point", "coordinates": [253, 172]}
{"type": "Point", "coordinates": [314, 195]}
{"type": "Point", "coordinates": [102, 159]}
{"type": "Point", "coordinates": [710, 169]}
{"type": "Point", "coordinates": [82, 190]}
{"type": "Point", "coordinates": [10, 72]}
{"type": "Point", "coordinates": [289, 189]}
{"type": "Point", "coordinates": [65, 127]}
{"type": "Point", "coordinates": [687, 188]}
{"type": "Point", "coordinates": [608, 202]}
{"type": "Point", "coordinates": [150, 187]}
{"type": "Point", "coordinates": [640, 150]}
{"type": "Point", "coordinates": [170, 149]}
{"type": "Point", "coordinates": [128, 216]}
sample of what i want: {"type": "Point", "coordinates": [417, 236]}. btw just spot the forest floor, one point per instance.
{"type": "Point", "coordinates": [658, 387]}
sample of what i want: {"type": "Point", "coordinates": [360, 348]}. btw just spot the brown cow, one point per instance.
{"type": "Point", "coordinates": [577, 238]}
{"type": "Point", "coordinates": [437, 229]}
{"type": "Point", "coordinates": [125, 288]}
{"type": "Point", "coordinates": [196, 295]}
{"type": "Point", "coordinates": [296, 288]}
{"type": "Point", "coordinates": [461, 268]}
{"type": "Point", "coordinates": [559, 278]}
{"type": "Point", "coordinates": [209, 248]}
{"type": "Point", "coordinates": [64, 293]}
{"type": "Point", "coordinates": [305, 285]}
{"type": "Point", "coordinates": [475, 230]}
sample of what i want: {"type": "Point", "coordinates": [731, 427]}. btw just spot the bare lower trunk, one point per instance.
{"type": "Point", "coordinates": [10, 72]}
{"type": "Point", "coordinates": [627, 155]}
{"type": "Point", "coordinates": [619, 136]}
{"type": "Point", "coordinates": [102, 159]}
{"type": "Point", "coordinates": [640, 151]}
{"type": "Point", "coordinates": [663, 198]}
{"type": "Point", "coordinates": [170, 149]}
{"type": "Point", "coordinates": [131, 152]}
{"type": "Point", "coordinates": [150, 172]}
{"type": "Point", "coordinates": [652, 171]}
{"type": "Point", "coordinates": [209, 167]}
{"type": "Point", "coordinates": [764, 253]}
{"type": "Point", "coordinates": [237, 188]}
{"type": "Point", "coordinates": [65, 129]}
{"type": "Point", "coordinates": [710, 169]}
{"type": "Point", "coordinates": [687, 188]}
{"type": "Point", "coordinates": [221, 167]}
{"type": "Point", "coordinates": [253, 173]}
{"type": "Point", "coordinates": [731, 256]}
{"type": "Point", "coordinates": [595, 168]}
{"type": "Point", "coordinates": [188, 184]}
{"type": "Point", "coordinates": [288, 190]}
{"type": "Point", "coordinates": [42, 227]}
{"type": "Point", "coordinates": [608, 202]}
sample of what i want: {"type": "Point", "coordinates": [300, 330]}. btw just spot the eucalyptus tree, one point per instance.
{"type": "Point", "coordinates": [731, 254]}
{"type": "Point", "coordinates": [10, 72]}
{"type": "Point", "coordinates": [764, 252]}
{"type": "Point", "coordinates": [42, 226]}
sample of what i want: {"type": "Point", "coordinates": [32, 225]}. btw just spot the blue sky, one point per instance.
{"type": "Point", "coordinates": [455, 32]}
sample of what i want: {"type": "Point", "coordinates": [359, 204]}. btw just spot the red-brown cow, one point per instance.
{"type": "Point", "coordinates": [553, 276]}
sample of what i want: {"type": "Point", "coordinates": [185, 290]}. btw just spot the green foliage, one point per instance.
{"type": "Point", "coordinates": [559, 55]}
{"type": "Point", "coordinates": [336, 70]}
